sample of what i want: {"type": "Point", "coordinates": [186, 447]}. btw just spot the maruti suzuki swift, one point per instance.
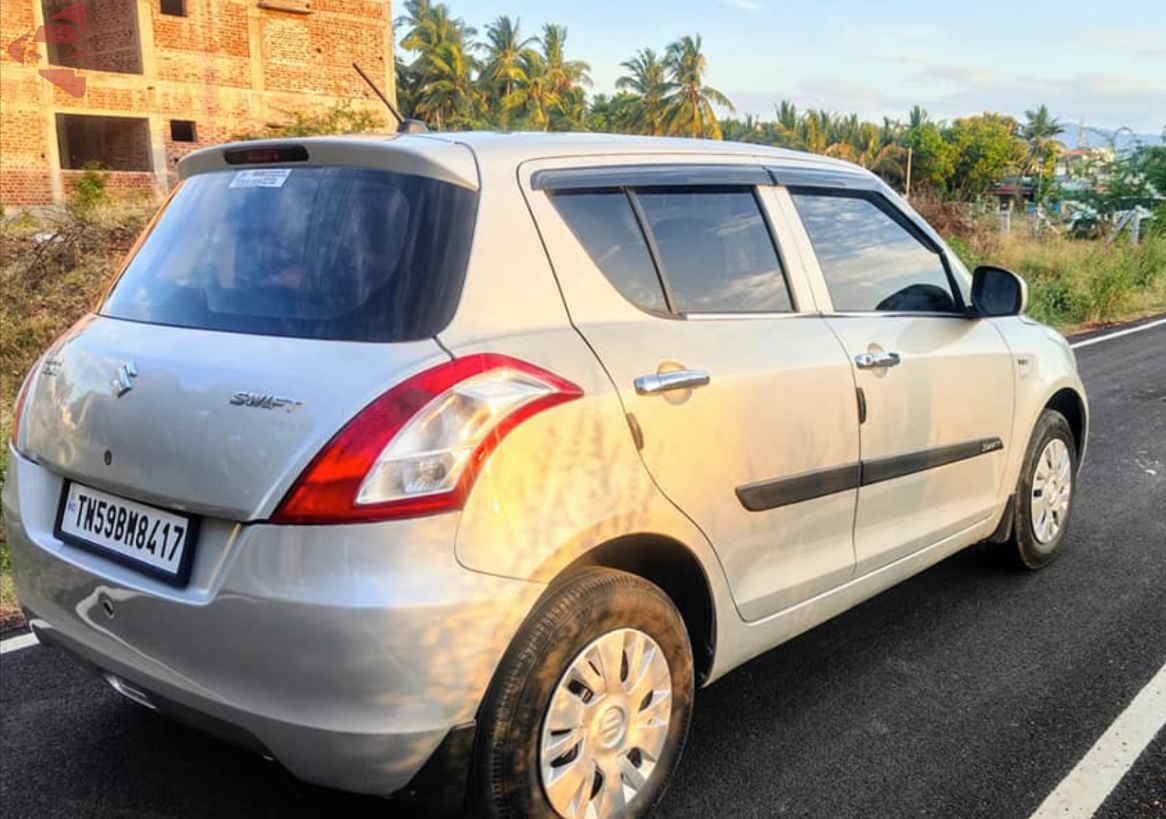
{"type": "Point", "coordinates": [448, 466]}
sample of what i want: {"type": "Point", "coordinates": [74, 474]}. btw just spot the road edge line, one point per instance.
{"type": "Point", "coordinates": [1118, 334]}
{"type": "Point", "coordinates": [18, 642]}
{"type": "Point", "coordinates": [1094, 778]}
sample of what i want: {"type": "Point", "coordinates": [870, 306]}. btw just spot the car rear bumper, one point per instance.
{"type": "Point", "coordinates": [346, 653]}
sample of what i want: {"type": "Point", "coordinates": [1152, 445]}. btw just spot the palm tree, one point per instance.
{"type": "Point", "coordinates": [1040, 132]}
{"type": "Point", "coordinates": [645, 85]}
{"type": "Point", "coordinates": [737, 130]}
{"type": "Point", "coordinates": [440, 81]}
{"type": "Point", "coordinates": [505, 51]}
{"type": "Point", "coordinates": [449, 97]}
{"type": "Point", "coordinates": [534, 99]}
{"type": "Point", "coordinates": [688, 102]}
{"type": "Point", "coordinates": [918, 118]}
{"type": "Point", "coordinates": [567, 78]}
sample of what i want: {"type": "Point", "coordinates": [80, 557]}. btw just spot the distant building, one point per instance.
{"type": "Point", "coordinates": [1070, 159]}
{"type": "Point", "coordinates": [163, 77]}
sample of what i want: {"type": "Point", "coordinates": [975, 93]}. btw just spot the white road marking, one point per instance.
{"type": "Point", "coordinates": [17, 643]}
{"type": "Point", "coordinates": [1118, 334]}
{"type": "Point", "coordinates": [1086, 787]}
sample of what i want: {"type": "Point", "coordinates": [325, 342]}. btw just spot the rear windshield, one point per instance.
{"type": "Point", "coordinates": [346, 254]}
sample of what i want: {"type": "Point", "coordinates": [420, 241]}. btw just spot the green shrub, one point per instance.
{"type": "Point", "coordinates": [90, 193]}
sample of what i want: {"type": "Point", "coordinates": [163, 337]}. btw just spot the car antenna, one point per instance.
{"type": "Point", "coordinates": [404, 126]}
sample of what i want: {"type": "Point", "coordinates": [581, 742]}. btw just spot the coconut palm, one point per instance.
{"type": "Point", "coordinates": [534, 100]}
{"type": "Point", "coordinates": [1040, 132]}
{"type": "Point", "coordinates": [918, 118]}
{"type": "Point", "coordinates": [506, 50]}
{"type": "Point", "coordinates": [440, 80]}
{"type": "Point", "coordinates": [568, 79]}
{"type": "Point", "coordinates": [688, 102]}
{"type": "Point", "coordinates": [645, 85]}
{"type": "Point", "coordinates": [449, 97]}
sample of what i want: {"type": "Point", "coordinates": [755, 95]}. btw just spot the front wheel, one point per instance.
{"type": "Point", "coordinates": [1045, 494]}
{"type": "Point", "coordinates": [589, 710]}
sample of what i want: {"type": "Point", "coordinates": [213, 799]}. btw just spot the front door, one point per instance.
{"type": "Point", "coordinates": [937, 384]}
{"type": "Point", "coordinates": [745, 406]}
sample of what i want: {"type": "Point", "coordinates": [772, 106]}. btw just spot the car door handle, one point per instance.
{"type": "Point", "coordinates": [668, 381]}
{"type": "Point", "coordinates": [875, 361]}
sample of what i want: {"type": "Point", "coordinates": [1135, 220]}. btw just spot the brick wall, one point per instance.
{"type": "Point", "coordinates": [228, 65]}
{"type": "Point", "coordinates": [110, 39]}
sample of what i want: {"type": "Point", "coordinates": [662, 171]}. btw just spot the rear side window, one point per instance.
{"type": "Point", "coordinates": [716, 251]}
{"type": "Point", "coordinates": [347, 254]}
{"type": "Point", "coordinates": [606, 226]}
{"type": "Point", "coordinates": [869, 261]}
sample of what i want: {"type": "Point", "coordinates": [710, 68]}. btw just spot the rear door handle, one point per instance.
{"type": "Point", "coordinates": [875, 361]}
{"type": "Point", "coordinates": [668, 381]}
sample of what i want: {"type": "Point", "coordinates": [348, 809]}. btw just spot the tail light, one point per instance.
{"type": "Point", "coordinates": [417, 449]}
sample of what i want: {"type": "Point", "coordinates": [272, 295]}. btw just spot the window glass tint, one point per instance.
{"type": "Point", "coordinates": [869, 261]}
{"type": "Point", "coordinates": [716, 251]}
{"type": "Point", "coordinates": [606, 226]}
{"type": "Point", "coordinates": [328, 253]}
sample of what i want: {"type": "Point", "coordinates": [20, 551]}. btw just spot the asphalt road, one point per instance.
{"type": "Point", "coordinates": [969, 691]}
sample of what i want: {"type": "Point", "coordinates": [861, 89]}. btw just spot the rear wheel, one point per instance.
{"type": "Point", "coordinates": [1045, 494]}
{"type": "Point", "coordinates": [589, 711]}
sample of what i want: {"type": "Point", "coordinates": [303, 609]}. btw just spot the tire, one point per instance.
{"type": "Point", "coordinates": [594, 614]}
{"type": "Point", "coordinates": [1036, 539]}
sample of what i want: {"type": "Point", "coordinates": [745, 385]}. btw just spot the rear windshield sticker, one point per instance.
{"type": "Point", "coordinates": [266, 178]}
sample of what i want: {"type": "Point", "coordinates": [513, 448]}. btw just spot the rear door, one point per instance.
{"type": "Point", "coordinates": [263, 310]}
{"type": "Point", "coordinates": [740, 395]}
{"type": "Point", "coordinates": [937, 384]}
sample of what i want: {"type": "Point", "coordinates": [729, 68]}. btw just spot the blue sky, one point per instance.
{"type": "Point", "coordinates": [1103, 61]}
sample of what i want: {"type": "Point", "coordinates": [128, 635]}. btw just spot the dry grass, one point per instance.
{"type": "Point", "coordinates": [45, 286]}
{"type": "Point", "coordinates": [1074, 283]}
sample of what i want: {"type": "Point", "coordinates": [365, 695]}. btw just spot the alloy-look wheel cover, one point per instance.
{"type": "Point", "coordinates": [1052, 490]}
{"type": "Point", "coordinates": [606, 726]}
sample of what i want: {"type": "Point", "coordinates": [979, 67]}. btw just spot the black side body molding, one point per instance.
{"type": "Point", "coordinates": [898, 466]}
{"type": "Point", "coordinates": [763, 495]}
{"type": "Point", "coordinates": [757, 497]}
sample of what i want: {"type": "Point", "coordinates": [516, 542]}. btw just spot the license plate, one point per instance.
{"type": "Point", "coordinates": [152, 540]}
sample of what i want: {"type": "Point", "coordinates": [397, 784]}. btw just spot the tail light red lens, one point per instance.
{"type": "Point", "coordinates": [418, 448]}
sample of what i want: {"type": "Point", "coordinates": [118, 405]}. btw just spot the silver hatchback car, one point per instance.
{"type": "Point", "coordinates": [448, 466]}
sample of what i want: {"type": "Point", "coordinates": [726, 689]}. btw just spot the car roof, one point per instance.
{"type": "Point", "coordinates": [453, 156]}
{"type": "Point", "coordinates": [524, 146]}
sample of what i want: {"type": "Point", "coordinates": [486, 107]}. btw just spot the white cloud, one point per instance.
{"type": "Point", "coordinates": [1104, 100]}
{"type": "Point", "coordinates": [1111, 100]}
{"type": "Point", "coordinates": [1116, 36]}
{"type": "Point", "coordinates": [904, 59]}
{"type": "Point", "coordinates": [743, 5]}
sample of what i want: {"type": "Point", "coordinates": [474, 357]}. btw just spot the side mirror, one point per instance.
{"type": "Point", "coordinates": [998, 292]}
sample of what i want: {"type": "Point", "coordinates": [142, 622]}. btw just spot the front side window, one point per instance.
{"type": "Point", "coordinates": [870, 261]}
{"type": "Point", "coordinates": [716, 251]}
{"type": "Point", "coordinates": [606, 226]}
{"type": "Point", "coordinates": [346, 254]}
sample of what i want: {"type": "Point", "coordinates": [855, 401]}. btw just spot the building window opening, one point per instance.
{"type": "Point", "coordinates": [109, 143]}
{"type": "Point", "coordinates": [182, 130]}
{"type": "Point", "coordinates": [104, 36]}
{"type": "Point", "coordinates": [175, 8]}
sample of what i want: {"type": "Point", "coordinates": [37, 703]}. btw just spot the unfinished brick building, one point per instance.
{"type": "Point", "coordinates": [164, 77]}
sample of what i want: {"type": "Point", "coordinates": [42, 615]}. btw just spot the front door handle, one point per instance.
{"type": "Point", "coordinates": [668, 381]}
{"type": "Point", "coordinates": [876, 361]}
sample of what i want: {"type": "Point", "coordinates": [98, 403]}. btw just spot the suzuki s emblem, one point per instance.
{"type": "Point", "coordinates": [124, 381]}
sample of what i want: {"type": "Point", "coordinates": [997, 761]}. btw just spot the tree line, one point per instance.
{"type": "Point", "coordinates": [509, 80]}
